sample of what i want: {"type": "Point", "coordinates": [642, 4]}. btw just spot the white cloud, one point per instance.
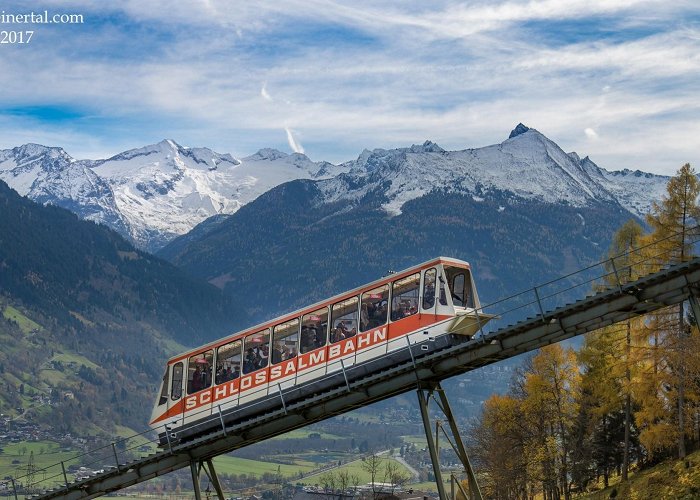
{"type": "Point", "coordinates": [373, 76]}
{"type": "Point", "coordinates": [590, 133]}
{"type": "Point", "coordinates": [293, 142]}
{"type": "Point", "coordinates": [264, 94]}
{"type": "Point", "coordinates": [662, 55]}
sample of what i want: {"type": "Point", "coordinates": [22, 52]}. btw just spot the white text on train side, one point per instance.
{"type": "Point", "coordinates": [285, 369]}
{"type": "Point", "coordinates": [363, 340]}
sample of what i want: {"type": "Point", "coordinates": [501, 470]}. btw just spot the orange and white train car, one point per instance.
{"type": "Point", "coordinates": [298, 349]}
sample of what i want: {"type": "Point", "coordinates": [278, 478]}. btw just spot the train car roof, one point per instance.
{"type": "Point", "coordinates": [310, 308]}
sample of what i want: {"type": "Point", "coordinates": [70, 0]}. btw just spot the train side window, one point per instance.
{"type": "Point", "coordinates": [314, 330]}
{"type": "Point", "coordinates": [284, 341]}
{"type": "Point", "coordinates": [429, 279]}
{"type": "Point", "coordinates": [199, 369]}
{"type": "Point", "coordinates": [164, 390]}
{"type": "Point", "coordinates": [374, 308]}
{"type": "Point", "coordinates": [404, 297]}
{"type": "Point", "coordinates": [228, 362]}
{"type": "Point", "coordinates": [344, 320]}
{"type": "Point", "coordinates": [176, 389]}
{"type": "Point", "coordinates": [257, 351]}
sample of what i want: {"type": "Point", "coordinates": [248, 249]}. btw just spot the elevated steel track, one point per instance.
{"type": "Point", "coordinates": [415, 370]}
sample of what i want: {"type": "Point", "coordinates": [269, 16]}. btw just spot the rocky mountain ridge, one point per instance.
{"type": "Point", "coordinates": [155, 193]}
{"type": "Point", "coordinates": [528, 165]}
{"type": "Point", "coordinates": [151, 194]}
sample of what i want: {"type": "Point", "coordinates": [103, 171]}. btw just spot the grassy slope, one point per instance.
{"type": "Point", "coordinates": [47, 376]}
{"type": "Point", "coordinates": [669, 479]}
{"type": "Point", "coordinates": [27, 344]}
{"type": "Point", "coordinates": [234, 465]}
{"type": "Point", "coordinates": [46, 453]}
{"type": "Point", "coordinates": [25, 324]}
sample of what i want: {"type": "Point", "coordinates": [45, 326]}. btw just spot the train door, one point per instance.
{"type": "Point", "coordinates": [198, 400]}
{"type": "Point", "coordinates": [169, 409]}
{"type": "Point", "coordinates": [161, 411]}
{"type": "Point", "coordinates": [256, 361]}
{"type": "Point", "coordinates": [343, 333]}
{"type": "Point", "coordinates": [313, 339]}
{"type": "Point", "coordinates": [176, 392]}
{"type": "Point", "coordinates": [404, 316]}
{"type": "Point", "coordinates": [432, 306]}
{"type": "Point", "coordinates": [285, 348]}
{"type": "Point", "coordinates": [374, 317]}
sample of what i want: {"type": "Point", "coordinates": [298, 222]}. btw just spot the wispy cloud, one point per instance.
{"type": "Point", "coordinates": [367, 74]}
{"type": "Point", "coordinates": [293, 141]}
{"type": "Point", "coordinates": [264, 94]}
{"type": "Point", "coordinates": [590, 133]}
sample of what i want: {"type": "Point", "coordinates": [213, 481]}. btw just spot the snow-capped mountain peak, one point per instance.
{"type": "Point", "coordinates": [527, 165]}
{"type": "Point", "coordinates": [156, 192]}
{"type": "Point", "coordinates": [33, 151]}
{"type": "Point", "coordinates": [29, 162]}
{"type": "Point", "coordinates": [519, 129]}
{"type": "Point", "coordinates": [164, 147]}
{"type": "Point", "coordinates": [28, 154]}
{"type": "Point", "coordinates": [164, 155]}
{"type": "Point", "coordinates": [268, 154]}
{"type": "Point", "coordinates": [159, 191]}
{"type": "Point", "coordinates": [426, 147]}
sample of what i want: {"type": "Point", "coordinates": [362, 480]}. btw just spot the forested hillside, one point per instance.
{"type": "Point", "coordinates": [83, 312]}
{"type": "Point", "coordinates": [287, 248]}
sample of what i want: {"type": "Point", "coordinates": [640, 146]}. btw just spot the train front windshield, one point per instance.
{"type": "Point", "coordinates": [459, 282]}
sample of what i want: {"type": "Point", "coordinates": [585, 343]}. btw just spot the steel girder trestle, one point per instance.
{"type": "Point", "coordinates": [426, 392]}
{"type": "Point", "coordinates": [196, 467]}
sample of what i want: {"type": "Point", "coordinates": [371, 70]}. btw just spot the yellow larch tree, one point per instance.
{"type": "Point", "coordinates": [674, 229]}
{"type": "Point", "coordinates": [552, 393]}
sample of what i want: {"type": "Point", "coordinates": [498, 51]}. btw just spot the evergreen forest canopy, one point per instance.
{"type": "Point", "coordinates": [630, 396]}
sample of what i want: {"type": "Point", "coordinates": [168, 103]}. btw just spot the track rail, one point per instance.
{"type": "Point", "coordinates": [664, 288]}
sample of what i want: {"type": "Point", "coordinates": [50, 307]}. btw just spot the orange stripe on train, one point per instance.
{"type": "Point", "coordinates": [312, 359]}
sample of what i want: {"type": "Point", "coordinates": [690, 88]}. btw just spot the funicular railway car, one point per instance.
{"type": "Point", "coordinates": [353, 334]}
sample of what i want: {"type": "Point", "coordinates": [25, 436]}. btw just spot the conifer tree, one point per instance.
{"type": "Point", "coordinates": [607, 362]}
{"type": "Point", "coordinates": [627, 262]}
{"type": "Point", "coordinates": [647, 367]}
{"type": "Point", "coordinates": [499, 448]}
{"type": "Point", "coordinates": [602, 386]}
{"type": "Point", "coordinates": [552, 391]}
{"type": "Point", "coordinates": [673, 222]}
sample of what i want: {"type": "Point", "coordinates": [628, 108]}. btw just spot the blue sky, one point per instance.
{"type": "Point", "coordinates": [618, 80]}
